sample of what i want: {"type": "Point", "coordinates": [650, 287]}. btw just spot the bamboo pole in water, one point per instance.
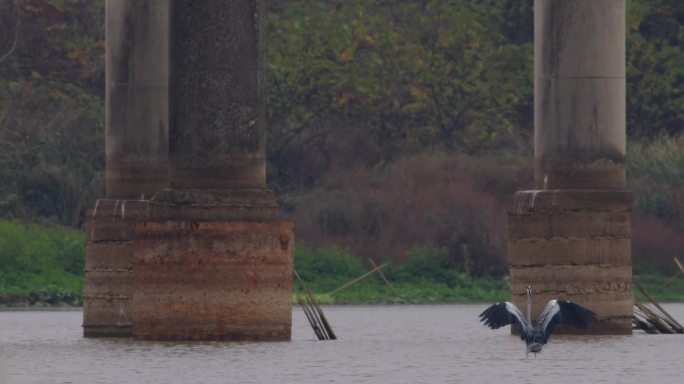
{"type": "Point", "coordinates": [641, 321]}
{"type": "Point", "coordinates": [675, 325]}
{"type": "Point", "coordinates": [681, 267]}
{"type": "Point", "coordinates": [372, 263]}
{"type": "Point", "coordinates": [356, 280]}
{"type": "Point", "coordinates": [320, 316]}
{"type": "Point", "coordinates": [311, 318]}
{"type": "Point", "coordinates": [669, 279]}
{"type": "Point", "coordinates": [317, 312]}
{"type": "Point", "coordinates": [656, 321]}
{"type": "Point", "coordinates": [326, 325]}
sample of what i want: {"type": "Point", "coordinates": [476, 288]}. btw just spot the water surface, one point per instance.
{"type": "Point", "coordinates": [377, 344]}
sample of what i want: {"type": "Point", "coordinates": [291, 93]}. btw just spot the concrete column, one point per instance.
{"type": "Point", "coordinates": [570, 238]}
{"type": "Point", "coordinates": [218, 105]}
{"type": "Point", "coordinates": [213, 262]}
{"type": "Point", "coordinates": [137, 117]}
{"type": "Point", "coordinates": [137, 131]}
{"type": "Point", "coordinates": [579, 98]}
{"type": "Point", "coordinates": [187, 205]}
{"type": "Point", "coordinates": [217, 116]}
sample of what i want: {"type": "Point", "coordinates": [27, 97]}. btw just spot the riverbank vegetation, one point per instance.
{"type": "Point", "coordinates": [43, 266]}
{"type": "Point", "coordinates": [40, 265]}
{"type": "Point", "coordinates": [397, 131]}
{"type": "Point", "coordinates": [426, 276]}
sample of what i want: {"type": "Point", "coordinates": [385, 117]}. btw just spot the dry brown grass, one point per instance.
{"type": "Point", "coordinates": [456, 202]}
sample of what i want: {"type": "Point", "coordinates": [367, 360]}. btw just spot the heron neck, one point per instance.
{"type": "Point", "coordinates": [529, 308]}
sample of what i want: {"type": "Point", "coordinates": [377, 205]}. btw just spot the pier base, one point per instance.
{"type": "Point", "coordinates": [204, 280]}
{"type": "Point", "coordinates": [574, 245]}
{"type": "Point", "coordinates": [108, 267]}
{"type": "Point", "coordinates": [227, 269]}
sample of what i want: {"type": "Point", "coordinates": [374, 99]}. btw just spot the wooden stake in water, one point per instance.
{"type": "Point", "coordinates": [681, 267]}
{"type": "Point", "coordinates": [653, 320]}
{"type": "Point", "coordinates": [669, 279]}
{"type": "Point", "coordinates": [356, 280]}
{"type": "Point", "coordinates": [657, 323]}
{"type": "Point", "coordinates": [315, 314]}
{"type": "Point", "coordinates": [669, 319]}
{"type": "Point", "coordinates": [309, 316]}
{"type": "Point", "coordinates": [382, 275]}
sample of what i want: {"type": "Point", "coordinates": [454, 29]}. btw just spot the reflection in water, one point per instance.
{"type": "Point", "coordinates": [377, 344]}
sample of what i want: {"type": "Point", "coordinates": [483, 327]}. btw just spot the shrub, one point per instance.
{"type": "Point", "coordinates": [425, 264]}
{"type": "Point", "coordinates": [326, 268]}
{"type": "Point", "coordinates": [456, 202]}
{"type": "Point", "coordinates": [655, 170]}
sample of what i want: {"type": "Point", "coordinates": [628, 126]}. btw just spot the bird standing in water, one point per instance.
{"type": "Point", "coordinates": [536, 335]}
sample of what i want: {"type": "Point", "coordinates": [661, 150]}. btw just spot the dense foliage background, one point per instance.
{"type": "Point", "coordinates": [51, 108]}
{"type": "Point", "coordinates": [395, 126]}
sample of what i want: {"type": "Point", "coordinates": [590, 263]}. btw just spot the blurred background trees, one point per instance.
{"type": "Point", "coordinates": [51, 108]}
{"type": "Point", "coordinates": [364, 83]}
{"type": "Point", "coordinates": [394, 125]}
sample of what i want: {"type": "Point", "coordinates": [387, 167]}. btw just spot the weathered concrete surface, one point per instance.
{"type": "Point", "coordinates": [218, 106]}
{"type": "Point", "coordinates": [185, 142]}
{"type": "Point", "coordinates": [191, 204]}
{"type": "Point", "coordinates": [137, 97]}
{"type": "Point", "coordinates": [203, 280]}
{"type": "Point", "coordinates": [574, 245]}
{"type": "Point", "coordinates": [570, 238]}
{"type": "Point", "coordinates": [579, 99]}
{"type": "Point", "coordinates": [109, 247]}
{"type": "Point", "coordinates": [108, 275]}
{"type": "Point", "coordinates": [108, 269]}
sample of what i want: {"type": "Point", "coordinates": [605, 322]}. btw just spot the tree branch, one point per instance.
{"type": "Point", "coordinates": [16, 32]}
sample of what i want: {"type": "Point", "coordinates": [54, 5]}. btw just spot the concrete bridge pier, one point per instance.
{"type": "Point", "coordinates": [201, 255]}
{"type": "Point", "coordinates": [570, 237]}
{"type": "Point", "coordinates": [214, 263]}
{"type": "Point", "coordinates": [137, 135]}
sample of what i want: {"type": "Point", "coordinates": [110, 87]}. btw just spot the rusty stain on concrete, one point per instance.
{"type": "Point", "coordinates": [185, 128]}
{"type": "Point", "coordinates": [188, 289]}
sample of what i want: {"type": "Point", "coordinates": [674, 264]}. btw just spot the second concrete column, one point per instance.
{"type": "Point", "coordinates": [570, 238]}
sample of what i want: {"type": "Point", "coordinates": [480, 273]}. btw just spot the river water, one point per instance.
{"type": "Point", "coordinates": [377, 344]}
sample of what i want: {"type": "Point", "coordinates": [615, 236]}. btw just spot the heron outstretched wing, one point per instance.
{"type": "Point", "coordinates": [502, 314]}
{"type": "Point", "coordinates": [563, 312]}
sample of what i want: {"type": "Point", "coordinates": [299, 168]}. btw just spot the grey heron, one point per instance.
{"type": "Point", "coordinates": [536, 335]}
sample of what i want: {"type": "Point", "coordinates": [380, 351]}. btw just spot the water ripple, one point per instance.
{"type": "Point", "coordinates": [378, 344]}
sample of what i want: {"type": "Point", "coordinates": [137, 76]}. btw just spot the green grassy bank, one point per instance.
{"type": "Point", "coordinates": [653, 276]}
{"type": "Point", "coordinates": [40, 265]}
{"type": "Point", "coordinates": [43, 266]}
{"type": "Point", "coordinates": [425, 277]}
